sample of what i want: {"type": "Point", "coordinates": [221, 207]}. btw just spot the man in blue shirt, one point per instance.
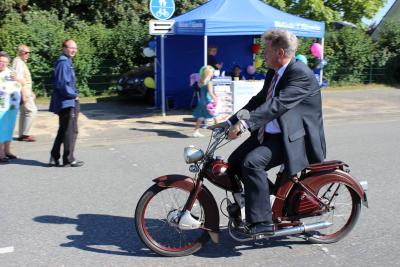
{"type": "Point", "coordinates": [65, 103]}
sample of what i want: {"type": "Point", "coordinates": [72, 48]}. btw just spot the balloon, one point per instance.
{"type": "Point", "coordinates": [302, 58]}
{"type": "Point", "coordinates": [251, 70]}
{"type": "Point", "coordinates": [194, 77]}
{"type": "Point", "coordinates": [148, 52]}
{"type": "Point", "coordinates": [258, 62]}
{"type": "Point", "coordinates": [255, 48]}
{"type": "Point", "coordinates": [316, 49]}
{"type": "Point", "coordinates": [152, 45]}
{"type": "Point", "coordinates": [149, 83]}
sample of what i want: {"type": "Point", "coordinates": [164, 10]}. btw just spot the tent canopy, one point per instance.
{"type": "Point", "coordinates": [231, 25]}
{"type": "Point", "coordinates": [242, 17]}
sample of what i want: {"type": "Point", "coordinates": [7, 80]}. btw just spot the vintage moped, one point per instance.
{"type": "Point", "coordinates": [177, 215]}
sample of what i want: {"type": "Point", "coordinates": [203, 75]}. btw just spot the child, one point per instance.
{"type": "Point", "coordinates": [207, 97]}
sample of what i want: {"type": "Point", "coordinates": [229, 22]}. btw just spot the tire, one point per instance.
{"type": "Point", "coordinates": [346, 207]}
{"type": "Point", "coordinates": [164, 237]}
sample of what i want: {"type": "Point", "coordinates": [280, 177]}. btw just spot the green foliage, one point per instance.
{"type": "Point", "coordinates": [43, 32]}
{"type": "Point", "coordinates": [388, 45]}
{"type": "Point", "coordinates": [349, 52]}
{"type": "Point", "coordinates": [115, 32]}
{"type": "Point", "coordinates": [330, 10]}
{"type": "Point", "coordinates": [128, 39]}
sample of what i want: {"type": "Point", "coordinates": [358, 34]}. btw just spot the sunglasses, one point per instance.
{"type": "Point", "coordinates": [25, 52]}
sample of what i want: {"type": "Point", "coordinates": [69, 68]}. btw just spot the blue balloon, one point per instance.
{"type": "Point", "coordinates": [152, 45]}
{"type": "Point", "coordinates": [302, 58]}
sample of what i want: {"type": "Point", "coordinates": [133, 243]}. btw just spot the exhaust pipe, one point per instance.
{"type": "Point", "coordinates": [302, 229]}
{"type": "Point", "coordinates": [283, 232]}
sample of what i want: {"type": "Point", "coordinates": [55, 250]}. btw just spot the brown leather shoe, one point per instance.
{"type": "Point", "coordinates": [27, 138]}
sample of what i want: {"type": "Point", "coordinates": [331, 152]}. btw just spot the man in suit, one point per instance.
{"type": "Point", "coordinates": [65, 103]}
{"type": "Point", "coordinates": [286, 125]}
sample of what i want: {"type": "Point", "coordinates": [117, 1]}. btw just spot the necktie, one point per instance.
{"type": "Point", "coordinates": [261, 130]}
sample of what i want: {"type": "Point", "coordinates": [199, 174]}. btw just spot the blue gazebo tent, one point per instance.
{"type": "Point", "coordinates": [229, 24]}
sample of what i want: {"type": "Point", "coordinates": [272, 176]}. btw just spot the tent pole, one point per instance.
{"type": "Point", "coordinates": [322, 57]}
{"type": "Point", "coordinates": [162, 77]}
{"type": "Point", "coordinates": [155, 73]}
{"type": "Point", "coordinates": [205, 49]}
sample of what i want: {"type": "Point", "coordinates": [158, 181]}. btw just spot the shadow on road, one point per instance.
{"type": "Point", "coordinates": [28, 162]}
{"type": "Point", "coordinates": [165, 133]}
{"type": "Point", "coordinates": [102, 234]}
{"type": "Point", "coordinates": [121, 110]}
{"type": "Point", "coordinates": [117, 236]}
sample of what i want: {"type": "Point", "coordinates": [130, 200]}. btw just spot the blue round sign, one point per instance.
{"type": "Point", "coordinates": [162, 9]}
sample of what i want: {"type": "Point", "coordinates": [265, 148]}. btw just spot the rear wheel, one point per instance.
{"type": "Point", "coordinates": [157, 228]}
{"type": "Point", "coordinates": [345, 207]}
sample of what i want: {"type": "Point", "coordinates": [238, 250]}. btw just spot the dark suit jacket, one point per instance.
{"type": "Point", "coordinates": [297, 107]}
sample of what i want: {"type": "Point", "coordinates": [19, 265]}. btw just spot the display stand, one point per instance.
{"type": "Point", "coordinates": [233, 95]}
{"type": "Point", "coordinates": [222, 88]}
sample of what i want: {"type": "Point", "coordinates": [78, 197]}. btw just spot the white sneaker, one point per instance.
{"type": "Point", "coordinates": [196, 133]}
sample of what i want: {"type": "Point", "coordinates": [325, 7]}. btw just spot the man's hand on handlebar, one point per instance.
{"type": "Point", "coordinates": [224, 125]}
{"type": "Point", "coordinates": [235, 131]}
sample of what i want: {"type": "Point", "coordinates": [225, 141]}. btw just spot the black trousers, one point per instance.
{"type": "Point", "coordinates": [250, 161]}
{"type": "Point", "coordinates": [67, 133]}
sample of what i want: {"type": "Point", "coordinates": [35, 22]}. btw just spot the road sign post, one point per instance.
{"type": "Point", "coordinates": [162, 10]}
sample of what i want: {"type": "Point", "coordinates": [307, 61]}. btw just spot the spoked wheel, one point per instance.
{"type": "Point", "coordinates": [345, 207]}
{"type": "Point", "coordinates": [156, 219]}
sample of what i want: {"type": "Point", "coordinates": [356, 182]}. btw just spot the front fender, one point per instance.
{"type": "Point", "coordinates": [206, 199]}
{"type": "Point", "coordinates": [317, 179]}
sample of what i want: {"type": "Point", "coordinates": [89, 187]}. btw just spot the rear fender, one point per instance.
{"type": "Point", "coordinates": [206, 199]}
{"type": "Point", "coordinates": [315, 180]}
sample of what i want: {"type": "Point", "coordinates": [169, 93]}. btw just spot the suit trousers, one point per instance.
{"type": "Point", "coordinates": [27, 112]}
{"type": "Point", "coordinates": [250, 161]}
{"type": "Point", "coordinates": [67, 133]}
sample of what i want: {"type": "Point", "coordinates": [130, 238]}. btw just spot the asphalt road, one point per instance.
{"type": "Point", "coordinates": [84, 216]}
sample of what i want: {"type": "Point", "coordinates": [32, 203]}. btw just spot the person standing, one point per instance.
{"type": "Point", "coordinates": [28, 109]}
{"type": "Point", "coordinates": [65, 103]}
{"type": "Point", "coordinates": [212, 59]}
{"type": "Point", "coordinates": [286, 124]}
{"type": "Point", "coordinates": [10, 98]}
{"type": "Point", "coordinates": [207, 101]}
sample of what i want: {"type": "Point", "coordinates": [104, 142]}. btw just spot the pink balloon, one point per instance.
{"type": "Point", "coordinates": [251, 70]}
{"type": "Point", "coordinates": [316, 49]}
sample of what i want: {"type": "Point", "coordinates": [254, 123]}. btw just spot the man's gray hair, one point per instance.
{"type": "Point", "coordinates": [282, 39]}
{"type": "Point", "coordinates": [4, 54]}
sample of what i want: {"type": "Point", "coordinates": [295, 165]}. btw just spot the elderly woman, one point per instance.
{"type": "Point", "coordinates": [10, 97]}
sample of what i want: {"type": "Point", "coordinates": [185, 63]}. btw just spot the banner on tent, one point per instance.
{"type": "Point", "coordinates": [298, 26]}
{"type": "Point", "coordinates": [192, 27]}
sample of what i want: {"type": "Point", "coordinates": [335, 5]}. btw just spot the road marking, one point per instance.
{"type": "Point", "coordinates": [6, 250]}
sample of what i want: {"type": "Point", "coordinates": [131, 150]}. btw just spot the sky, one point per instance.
{"type": "Point", "coordinates": [380, 13]}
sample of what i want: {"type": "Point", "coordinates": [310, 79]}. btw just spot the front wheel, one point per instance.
{"type": "Point", "coordinates": [156, 218]}
{"type": "Point", "coordinates": [345, 207]}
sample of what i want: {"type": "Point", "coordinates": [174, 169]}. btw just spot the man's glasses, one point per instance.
{"type": "Point", "coordinates": [25, 52]}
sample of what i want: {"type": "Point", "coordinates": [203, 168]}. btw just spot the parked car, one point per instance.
{"type": "Point", "coordinates": [132, 84]}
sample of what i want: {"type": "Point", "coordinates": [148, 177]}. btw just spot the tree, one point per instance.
{"type": "Point", "coordinates": [349, 52]}
{"type": "Point", "coordinates": [330, 10]}
{"type": "Point", "coordinates": [388, 47]}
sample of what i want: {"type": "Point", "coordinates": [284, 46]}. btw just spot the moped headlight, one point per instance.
{"type": "Point", "coordinates": [192, 154]}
